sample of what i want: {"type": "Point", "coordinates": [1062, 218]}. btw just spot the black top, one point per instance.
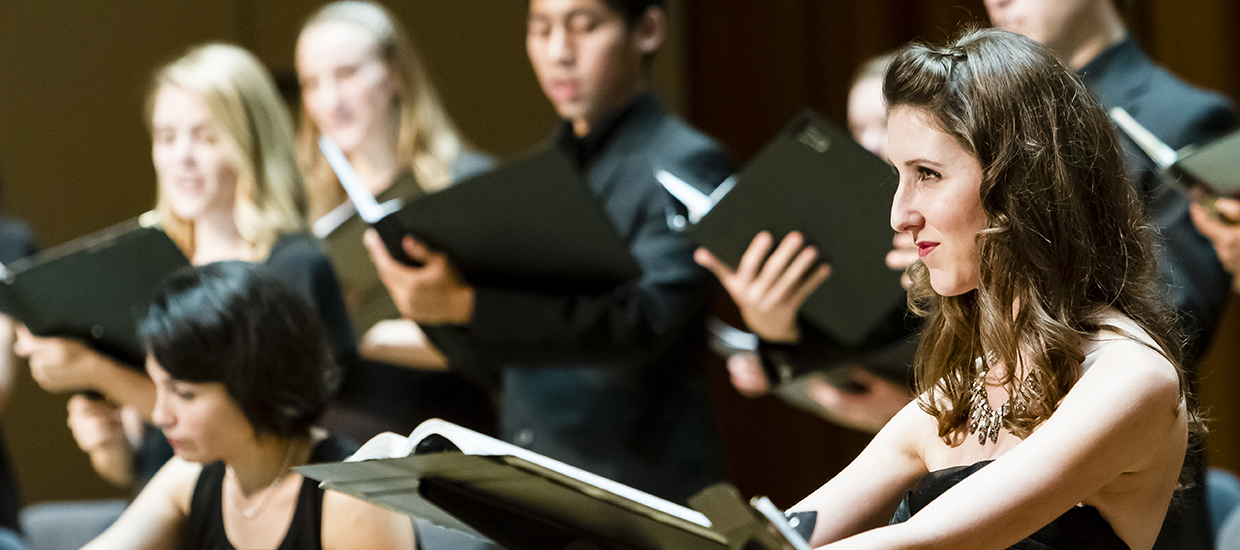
{"type": "Point", "coordinates": [1081, 528]}
{"type": "Point", "coordinates": [611, 381]}
{"type": "Point", "coordinates": [204, 529]}
{"type": "Point", "coordinates": [297, 261]}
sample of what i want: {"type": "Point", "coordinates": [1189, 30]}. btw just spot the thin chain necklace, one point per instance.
{"type": "Point", "coordinates": [261, 506]}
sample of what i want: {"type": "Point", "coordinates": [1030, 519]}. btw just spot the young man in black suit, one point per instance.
{"type": "Point", "coordinates": [610, 382]}
{"type": "Point", "coordinates": [1091, 37]}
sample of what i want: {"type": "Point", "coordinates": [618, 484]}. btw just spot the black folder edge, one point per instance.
{"type": "Point", "coordinates": [1215, 164]}
{"type": "Point", "coordinates": [728, 215]}
{"type": "Point", "coordinates": [42, 317]}
{"type": "Point", "coordinates": [583, 251]}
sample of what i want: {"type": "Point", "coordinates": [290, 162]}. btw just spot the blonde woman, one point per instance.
{"type": "Point", "coordinates": [228, 189]}
{"type": "Point", "coordinates": [365, 87]}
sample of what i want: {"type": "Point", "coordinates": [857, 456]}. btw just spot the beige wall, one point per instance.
{"type": "Point", "coordinates": [75, 152]}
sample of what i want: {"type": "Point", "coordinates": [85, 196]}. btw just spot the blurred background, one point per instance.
{"type": "Point", "coordinates": [75, 154]}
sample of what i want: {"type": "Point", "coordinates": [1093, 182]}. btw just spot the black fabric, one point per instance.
{"type": "Point", "coordinates": [204, 529]}
{"type": "Point", "coordinates": [297, 260]}
{"type": "Point", "coordinates": [1180, 115]}
{"type": "Point", "coordinates": [16, 242]}
{"type": "Point", "coordinates": [611, 382]}
{"type": "Point", "coordinates": [1081, 528]}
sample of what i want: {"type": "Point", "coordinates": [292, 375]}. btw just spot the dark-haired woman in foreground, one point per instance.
{"type": "Point", "coordinates": [242, 370]}
{"type": "Point", "coordinates": [1052, 411]}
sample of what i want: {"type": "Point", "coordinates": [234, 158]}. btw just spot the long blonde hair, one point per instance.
{"type": "Point", "coordinates": [255, 137]}
{"type": "Point", "coordinates": [428, 142]}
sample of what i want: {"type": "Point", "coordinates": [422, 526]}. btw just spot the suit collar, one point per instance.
{"type": "Point", "coordinates": [619, 131]}
{"type": "Point", "coordinates": [1119, 74]}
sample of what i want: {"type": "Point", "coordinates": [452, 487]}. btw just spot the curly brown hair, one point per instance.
{"type": "Point", "coordinates": [1066, 232]}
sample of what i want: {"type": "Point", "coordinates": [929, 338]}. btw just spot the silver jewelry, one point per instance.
{"type": "Point", "coordinates": [261, 506]}
{"type": "Point", "coordinates": [984, 420]}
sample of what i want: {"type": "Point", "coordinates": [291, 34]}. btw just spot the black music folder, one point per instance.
{"type": "Point", "coordinates": [815, 179]}
{"type": "Point", "coordinates": [94, 288]}
{"type": "Point", "coordinates": [478, 485]}
{"type": "Point", "coordinates": [530, 223]}
{"type": "Point", "coordinates": [1215, 164]}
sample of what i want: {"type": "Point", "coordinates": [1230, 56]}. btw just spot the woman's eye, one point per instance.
{"type": "Point", "coordinates": [927, 173]}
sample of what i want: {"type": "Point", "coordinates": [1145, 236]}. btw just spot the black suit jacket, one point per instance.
{"type": "Point", "coordinates": [611, 382]}
{"type": "Point", "coordinates": [1179, 115]}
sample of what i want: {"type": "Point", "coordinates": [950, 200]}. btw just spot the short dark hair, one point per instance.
{"type": "Point", "coordinates": [233, 323]}
{"type": "Point", "coordinates": [632, 10]}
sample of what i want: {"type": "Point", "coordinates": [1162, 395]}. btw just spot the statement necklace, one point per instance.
{"type": "Point", "coordinates": [261, 506]}
{"type": "Point", "coordinates": [984, 420]}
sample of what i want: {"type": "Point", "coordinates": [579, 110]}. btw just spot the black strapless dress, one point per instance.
{"type": "Point", "coordinates": [1081, 528]}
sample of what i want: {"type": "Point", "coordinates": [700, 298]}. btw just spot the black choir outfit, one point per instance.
{"type": "Point", "coordinates": [611, 382]}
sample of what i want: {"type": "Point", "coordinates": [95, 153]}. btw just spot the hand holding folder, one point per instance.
{"type": "Point", "coordinates": [531, 223]}
{"type": "Point", "coordinates": [95, 288]}
{"type": "Point", "coordinates": [813, 182]}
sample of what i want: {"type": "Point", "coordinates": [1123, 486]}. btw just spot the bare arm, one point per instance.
{"type": "Point", "coordinates": [1116, 441]}
{"type": "Point", "coordinates": [865, 494]}
{"type": "Point", "coordinates": [349, 523]}
{"type": "Point", "coordinates": [401, 342]}
{"type": "Point", "coordinates": [154, 519]}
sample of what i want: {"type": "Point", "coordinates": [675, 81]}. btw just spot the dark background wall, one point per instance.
{"type": "Point", "coordinates": [75, 155]}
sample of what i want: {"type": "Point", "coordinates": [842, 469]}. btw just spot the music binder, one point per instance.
{"type": "Point", "coordinates": [530, 223]}
{"type": "Point", "coordinates": [815, 179]}
{"type": "Point", "coordinates": [94, 288]}
{"type": "Point", "coordinates": [526, 501]}
{"type": "Point", "coordinates": [1215, 164]}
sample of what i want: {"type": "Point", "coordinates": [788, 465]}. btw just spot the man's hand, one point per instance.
{"type": "Point", "coordinates": [433, 294]}
{"type": "Point", "coordinates": [770, 290]}
{"type": "Point", "coordinates": [745, 371]}
{"type": "Point", "coordinates": [1224, 236]}
{"type": "Point", "coordinates": [868, 409]}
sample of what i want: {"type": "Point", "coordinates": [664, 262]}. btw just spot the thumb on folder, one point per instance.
{"type": "Point", "coordinates": [770, 290]}
{"type": "Point", "coordinates": [432, 294]}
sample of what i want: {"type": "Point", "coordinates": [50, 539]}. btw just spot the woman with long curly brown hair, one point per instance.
{"type": "Point", "coordinates": [1052, 411]}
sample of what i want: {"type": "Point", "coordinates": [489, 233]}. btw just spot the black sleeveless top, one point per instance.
{"type": "Point", "coordinates": [1081, 528]}
{"type": "Point", "coordinates": [204, 529]}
